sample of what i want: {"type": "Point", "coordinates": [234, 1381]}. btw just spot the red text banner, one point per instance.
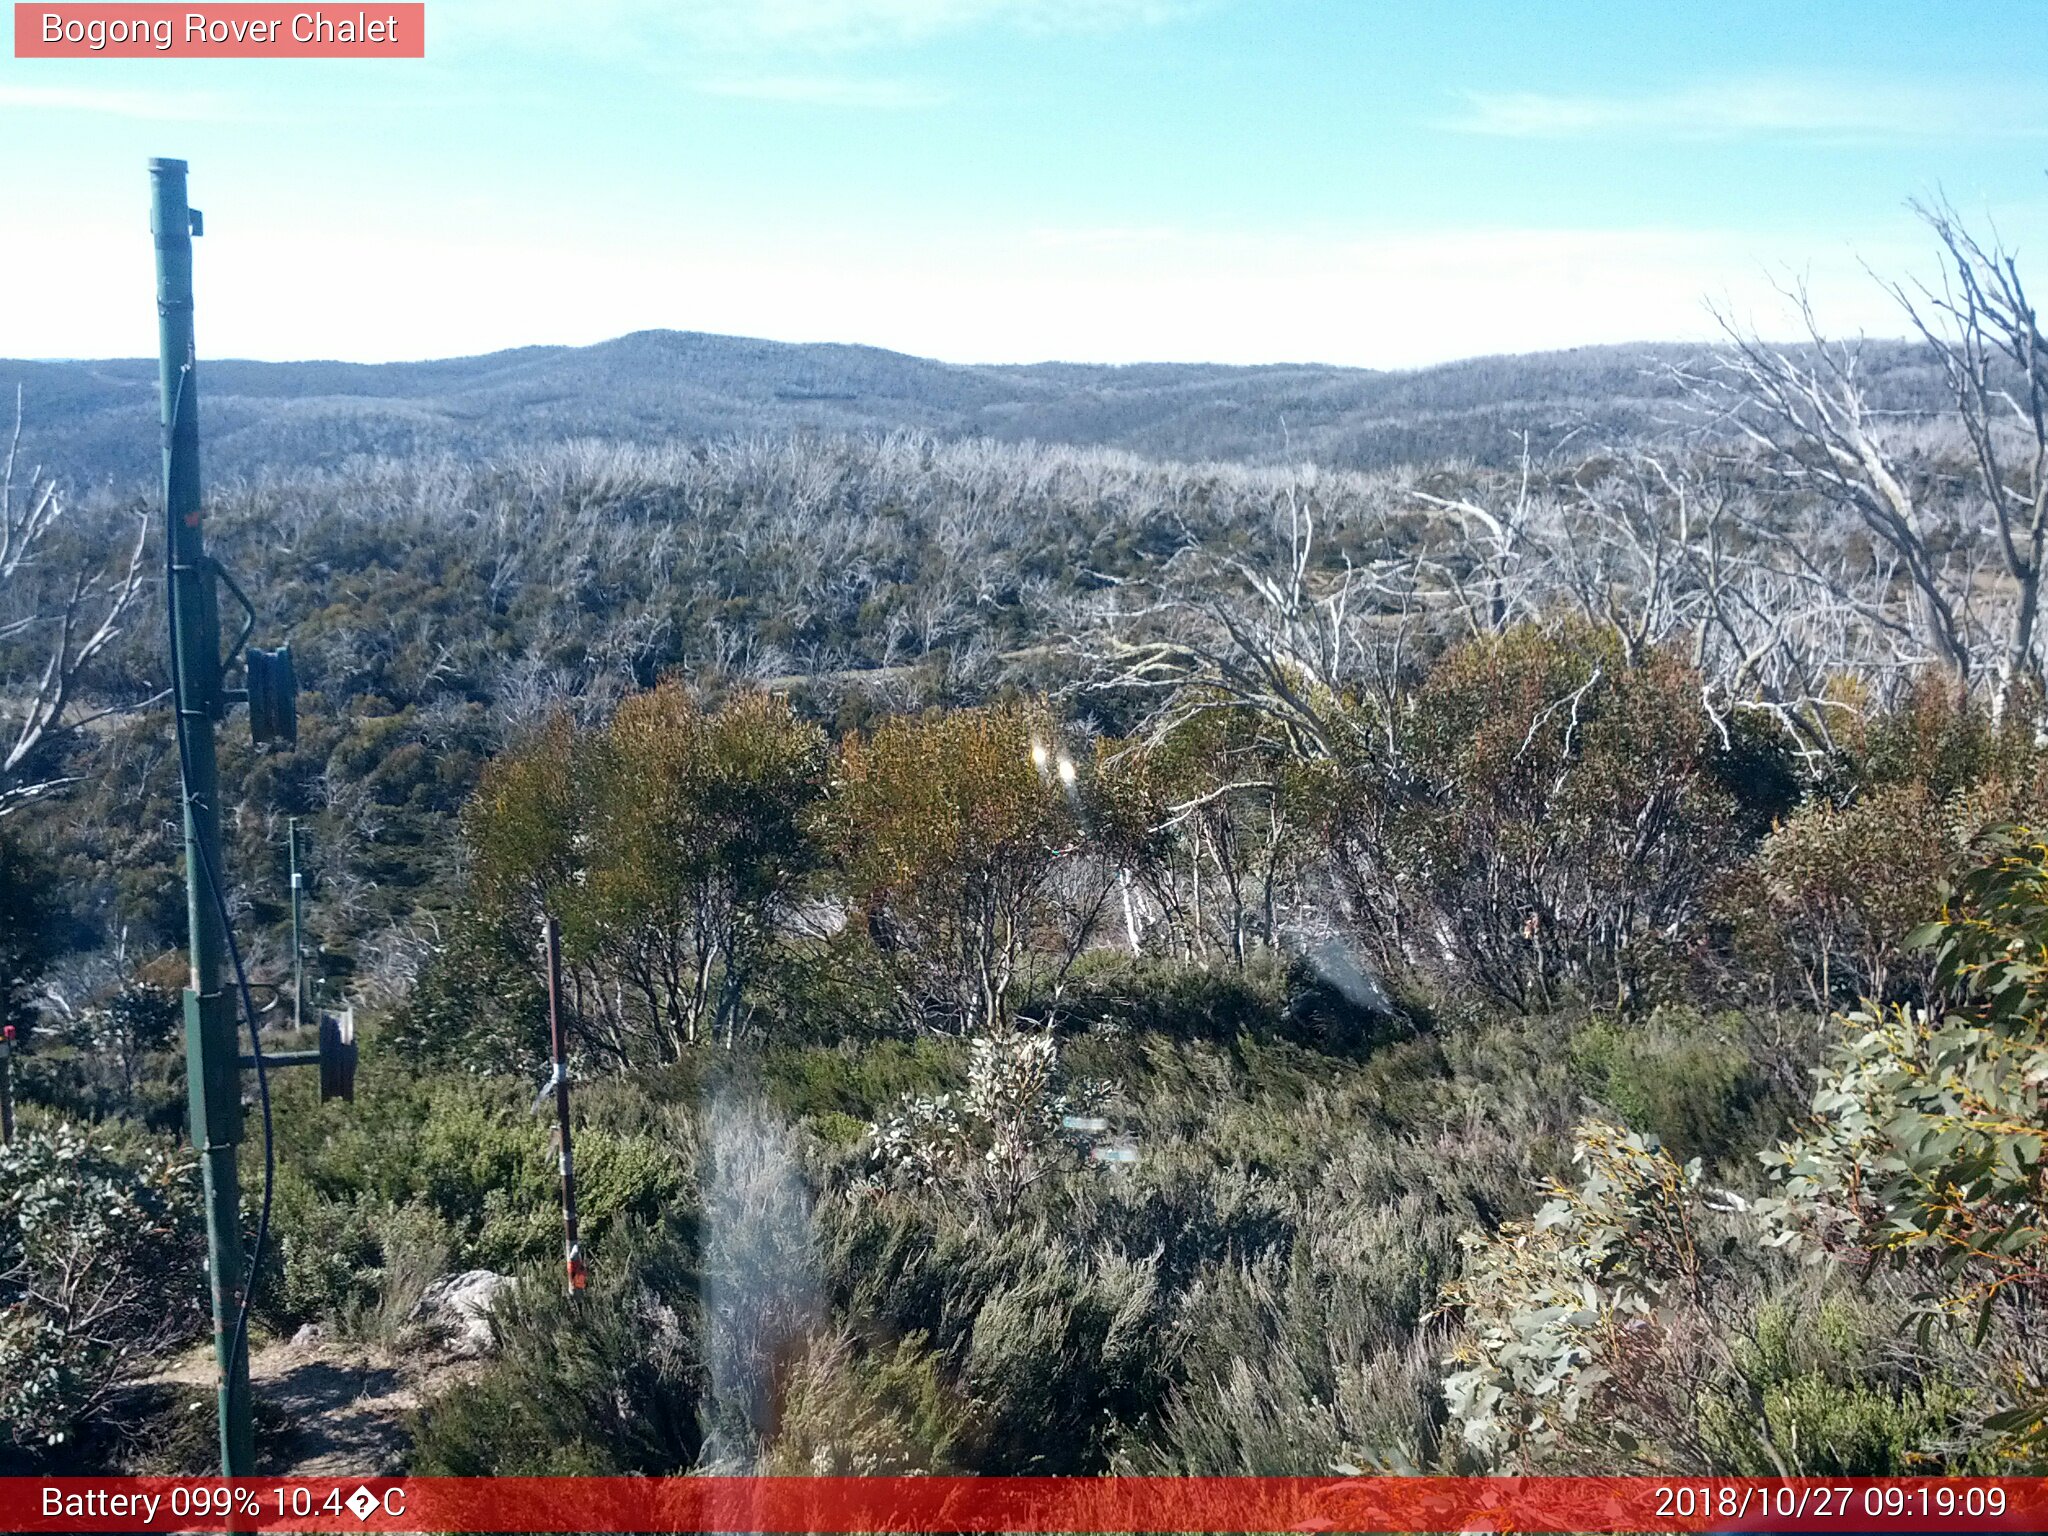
{"type": "Point", "coordinates": [1025, 1504]}
{"type": "Point", "coordinates": [236, 31]}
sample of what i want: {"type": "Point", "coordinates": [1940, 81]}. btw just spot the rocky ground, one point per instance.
{"type": "Point", "coordinates": [325, 1406]}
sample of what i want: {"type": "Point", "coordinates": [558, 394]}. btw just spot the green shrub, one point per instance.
{"type": "Point", "coordinates": [466, 1151]}
{"type": "Point", "coordinates": [323, 1252]}
{"type": "Point", "coordinates": [1281, 1414]}
{"type": "Point", "coordinates": [862, 1080]}
{"type": "Point", "coordinates": [854, 1412]}
{"type": "Point", "coordinates": [1269, 997]}
{"type": "Point", "coordinates": [1551, 818]}
{"type": "Point", "coordinates": [359, 1264]}
{"type": "Point", "coordinates": [1176, 999]}
{"type": "Point", "coordinates": [1824, 906]}
{"type": "Point", "coordinates": [1684, 1078]}
{"type": "Point", "coordinates": [478, 1006]}
{"type": "Point", "coordinates": [414, 1249]}
{"type": "Point", "coordinates": [100, 1271]}
{"type": "Point", "coordinates": [1585, 1339]}
{"type": "Point", "coordinates": [1943, 742]}
{"type": "Point", "coordinates": [948, 842]}
{"type": "Point", "coordinates": [605, 1383]}
{"type": "Point", "coordinates": [1924, 1150]}
{"type": "Point", "coordinates": [30, 934]}
{"type": "Point", "coordinates": [1054, 1344]}
{"type": "Point", "coordinates": [1828, 1394]}
{"type": "Point", "coordinates": [839, 1131]}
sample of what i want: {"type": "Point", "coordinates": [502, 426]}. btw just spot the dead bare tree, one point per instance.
{"type": "Point", "coordinates": [59, 611]}
{"type": "Point", "coordinates": [1962, 536]}
{"type": "Point", "coordinates": [1815, 436]}
{"type": "Point", "coordinates": [1774, 604]}
{"type": "Point", "coordinates": [1275, 633]}
{"type": "Point", "coordinates": [1995, 362]}
{"type": "Point", "coordinates": [1493, 562]}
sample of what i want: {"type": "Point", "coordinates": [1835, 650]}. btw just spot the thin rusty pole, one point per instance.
{"type": "Point", "coordinates": [572, 1251]}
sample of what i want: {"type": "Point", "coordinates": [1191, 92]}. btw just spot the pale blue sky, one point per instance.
{"type": "Point", "coordinates": [1010, 180]}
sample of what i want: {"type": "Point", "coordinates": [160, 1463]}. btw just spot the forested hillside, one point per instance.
{"type": "Point", "coordinates": [1215, 961]}
{"type": "Point", "coordinates": [97, 418]}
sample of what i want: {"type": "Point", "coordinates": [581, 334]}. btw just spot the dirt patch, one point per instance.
{"type": "Point", "coordinates": [323, 1408]}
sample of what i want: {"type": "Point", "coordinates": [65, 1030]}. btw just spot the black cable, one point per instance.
{"type": "Point", "coordinates": [239, 1348]}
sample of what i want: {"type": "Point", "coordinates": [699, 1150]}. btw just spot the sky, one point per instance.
{"type": "Point", "coordinates": [1364, 182]}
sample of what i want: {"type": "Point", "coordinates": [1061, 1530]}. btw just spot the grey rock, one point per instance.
{"type": "Point", "coordinates": [460, 1305]}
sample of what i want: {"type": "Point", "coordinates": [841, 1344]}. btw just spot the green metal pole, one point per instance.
{"type": "Point", "coordinates": [298, 949]}
{"type": "Point", "coordinates": [213, 1074]}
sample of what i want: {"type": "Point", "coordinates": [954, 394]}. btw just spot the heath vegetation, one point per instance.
{"type": "Point", "coordinates": [1080, 962]}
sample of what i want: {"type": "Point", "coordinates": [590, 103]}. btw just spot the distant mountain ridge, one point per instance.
{"type": "Point", "coordinates": [96, 420]}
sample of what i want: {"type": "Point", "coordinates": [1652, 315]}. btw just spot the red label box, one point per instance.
{"type": "Point", "coordinates": [236, 31]}
{"type": "Point", "coordinates": [1050, 1506]}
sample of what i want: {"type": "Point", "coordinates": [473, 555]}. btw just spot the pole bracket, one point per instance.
{"type": "Point", "coordinates": [216, 1096]}
{"type": "Point", "coordinates": [335, 1057]}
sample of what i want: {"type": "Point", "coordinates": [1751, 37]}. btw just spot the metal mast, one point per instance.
{"type": "Point", "coordinates": [212, 1070]}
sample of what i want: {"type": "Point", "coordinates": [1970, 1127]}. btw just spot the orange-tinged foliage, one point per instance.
{"type": "Point", "coordinates": [948, 829]}
{"type": "Point", "coordinates": [664, 843]}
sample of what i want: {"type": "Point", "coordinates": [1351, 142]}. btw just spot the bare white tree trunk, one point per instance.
{"type": "Point", "coordinates": [67, 611]}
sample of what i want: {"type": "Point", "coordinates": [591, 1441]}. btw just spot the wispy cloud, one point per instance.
{"type": "Point", "coordinates": [864, 23]}
{"type": "Point", "coordinates": [1105, 237]}
{"type": "Point", "coordinates": [1767, 107]}
{"type": "Point", "coordinates": [149, 106]}
{"type": "Point", "coordinates": [826, 91]}
{"type": "Point", "coordinates": [818, 26]}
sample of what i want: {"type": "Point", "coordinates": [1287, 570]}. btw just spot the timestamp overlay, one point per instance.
{"type": "Point", "coordinates": [1024, 1504]}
